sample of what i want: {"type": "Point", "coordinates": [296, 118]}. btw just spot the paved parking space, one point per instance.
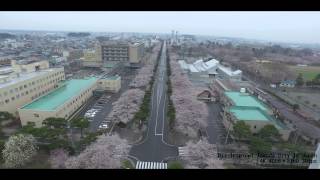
{"type": "Point", "coordinates": [103, 104]}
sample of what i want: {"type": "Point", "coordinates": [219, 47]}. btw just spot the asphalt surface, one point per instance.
{"type": "Point", "coordinates": [216, 131]}
{"type": "Point", "coordinates": [107, 106]}
{"type": "Point", "coordinates": [154, 147]}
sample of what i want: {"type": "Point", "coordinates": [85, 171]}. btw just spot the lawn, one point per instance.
{"type": "Point", "coordinates": [308, 72]}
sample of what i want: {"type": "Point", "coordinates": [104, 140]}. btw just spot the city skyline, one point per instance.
{"type": "Point", "coordinates": [291, 27]}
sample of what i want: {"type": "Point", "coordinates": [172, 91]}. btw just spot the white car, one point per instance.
{"type": "Point", "coordinates": [103, 126]}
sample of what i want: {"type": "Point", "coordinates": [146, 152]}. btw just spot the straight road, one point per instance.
{"type": "Point", "coordinates": [153, 147]}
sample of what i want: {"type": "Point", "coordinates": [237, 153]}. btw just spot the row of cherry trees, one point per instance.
{"type": "Point", "coordinates": [191, 114]}
{"type": "Point", "coordinates": [124, 109]}
{"type": "Point", "coordinates": [106, 152]}
{"type": "Point", "coordinates": [145, 74]}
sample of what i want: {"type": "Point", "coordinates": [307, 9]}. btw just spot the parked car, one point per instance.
{"type": "Point", "coordinates": [103, 126]}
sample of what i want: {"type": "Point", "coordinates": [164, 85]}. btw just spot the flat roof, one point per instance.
{"type": "Point", "coordinates": [26, 76]}
{"type": "Point", "coordinates": [249, 113]}
{"type": "Point", "coordinates": [244, 99]}
{"type": "Point", "coordinates": [243, 113]}
{"type": "Point", "coordinates": [59, 96]}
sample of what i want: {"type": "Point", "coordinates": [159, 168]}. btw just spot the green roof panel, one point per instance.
{"type": "Point", "coordinates": [244, 99]}
{"type": "Point", "coordinates": [56, 98]}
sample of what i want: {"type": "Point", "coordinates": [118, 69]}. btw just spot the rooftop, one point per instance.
{"type": "Point", "coordinates": [244, 99]}
{"type": "Point", "coordinates": [244, 113]}
{"type": "Point", "coordinates": [248, 113]}
{"type": "Point", "coordinates": [59, 96]}
{"type": "Point", "coordinates": [26, 76]}
{"type": "Point", "coordinates": [229, 71]}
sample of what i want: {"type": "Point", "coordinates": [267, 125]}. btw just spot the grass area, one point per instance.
{"type": "Point", "coordinates": [175, 165]}
{"type": "Point", "coordinates": [126, 164]}
{"type": "Point", "coordinates": [308, 72]}
{"type": "Point", "coordinates": [308, 98]}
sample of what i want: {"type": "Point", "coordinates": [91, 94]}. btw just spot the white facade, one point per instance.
{"type": "Point", "coordinates": [210, 68]}
{"type": "Point", "coordinates": [26, 83]}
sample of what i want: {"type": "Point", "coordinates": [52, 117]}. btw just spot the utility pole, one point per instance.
{"type": "Point", "coordinates": [228, 133]}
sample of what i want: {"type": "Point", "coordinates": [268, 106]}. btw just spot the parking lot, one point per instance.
{"type": "Point", "coordinates": [98, 110]}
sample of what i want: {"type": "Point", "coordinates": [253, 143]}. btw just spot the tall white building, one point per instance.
{"type": "Point", "coordinates": [25, 81]}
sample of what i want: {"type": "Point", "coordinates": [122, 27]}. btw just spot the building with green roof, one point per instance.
{"type": "Point", "coordinates": [245, 100]}
{"type": "Point", "coordinates": [241, 106]}
{"type": "Point", "coordinates": [61, 102]}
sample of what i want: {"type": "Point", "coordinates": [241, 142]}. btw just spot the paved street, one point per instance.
{"type": "Point", "coordinates": [153, 147]}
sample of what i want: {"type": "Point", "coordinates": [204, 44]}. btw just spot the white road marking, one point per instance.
{"type": "Point", "coordinates": [151, 165]}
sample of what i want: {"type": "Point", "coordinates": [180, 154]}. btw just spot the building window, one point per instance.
{"type": "Point", "coordinates": [6, 101]}
{"type": "Point", "coordinates": [36, 115]}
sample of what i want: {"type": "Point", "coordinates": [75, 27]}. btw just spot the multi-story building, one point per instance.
{"type": "Point", "coordinates": [136, 52]}
{"type": "Point", "coordinates": [241, 106]}
{"type": "Point", "coordinates": [92, 58]}
{"type": "Point", "coordinates": [110, 54]}
{"type": "Point", "coordinates": [63, 102]}
{"type": "Point", "coordinates": [110, 83]}
{"type": "Point", "coordinates": [115, 51]}
{"type": "Point", "coordinates": [27, 81]}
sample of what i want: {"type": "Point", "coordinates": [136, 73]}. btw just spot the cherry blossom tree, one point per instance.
{"type": "Point", "coordinates": [191, 114]}
{"type": "Point", "coordinates": [106, 153]}
{"type": "Point", "coordinates": [58, 158]}
{"type": "Point", "coordinates": [201, 155]}
{"type": "Point", "coordinates": [126, 106]}
{"type": "Point", "coordinates": [144, 75]}
{"type": "Point", "coordinates": [18, 150]}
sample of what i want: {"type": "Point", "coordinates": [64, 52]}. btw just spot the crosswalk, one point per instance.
{"type": "Point", "coordinates": [151, 165]}
{"type": "Point", "coordinates": [182, 151]}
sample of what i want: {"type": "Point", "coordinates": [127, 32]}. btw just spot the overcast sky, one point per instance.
{"type": "Point", "coordinates": [273, 26]}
